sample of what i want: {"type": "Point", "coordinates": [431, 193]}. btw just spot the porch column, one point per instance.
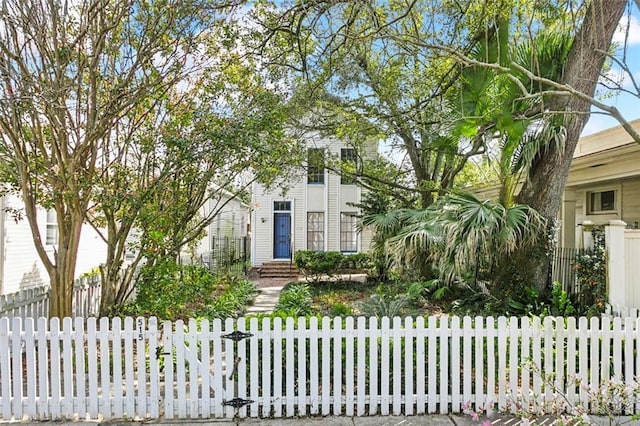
{"type": "Point", "coordinates": [567, 238]}
{"type": "Point", "coordinates": [616, 279]}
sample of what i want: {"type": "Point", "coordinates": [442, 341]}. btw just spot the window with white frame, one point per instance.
{"type": "Point", "coordinates": [51, 236]}
{"type": "Point", "coordinates": [602, 202]}
{"type": "Point", "coordinates": [315, 231]}
{"type": "Point", "coordinates": [349, 161]}
{"type": "Point", "coordinates": [315, 165]}
{"type": "Point", "coordinates": [348, 232]}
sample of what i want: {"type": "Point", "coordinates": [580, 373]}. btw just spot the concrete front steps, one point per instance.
{"type": "Point", "coordinates": [284, 269]}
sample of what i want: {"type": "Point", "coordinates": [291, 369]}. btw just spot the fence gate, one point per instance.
{"type": "Point", "coordinates": [113, 369]}
{"type": "Point", "coordinates": [203, 369]}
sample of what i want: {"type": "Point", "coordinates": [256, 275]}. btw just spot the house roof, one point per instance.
{"type": "Point", "coordinates": [605, 140]}
{"type": "Point", "coordinates": [603, 156]}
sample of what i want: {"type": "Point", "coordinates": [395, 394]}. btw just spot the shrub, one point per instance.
{"type": "Point", "coordinates": [295, 300]}
{"type": "Point", "coordinates": [233, 301]}
{"type": "Point", "coordinates": [340, 310]}
{"type": "Point", "coordinates": [560, 302]}
{"type": "Point", "coordinates": [330, 262]}
{"type": "Point", "coordinates": [591, 271]}
{"type": "Point", "coordinates": [380, 305]}
{"type": "Point", "coordinates": [171, 291]}
{"type": "Point", "coordinates": [356, 262]}
{"type": "Point", "coordinates": [318, 262]}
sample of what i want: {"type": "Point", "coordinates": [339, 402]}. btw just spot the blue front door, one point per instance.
{"type": "Point", "coordinates": [282, 235]}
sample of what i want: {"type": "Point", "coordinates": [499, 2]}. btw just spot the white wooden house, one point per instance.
{"type": "Point", "coordinates": [603, 188]}
{"type": "Point", "coordinates": [20, 266]}
{"type": "Point", "coordinates": [315, 213]}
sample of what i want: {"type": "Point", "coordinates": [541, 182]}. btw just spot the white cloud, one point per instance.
{"type": "Point", "coordinates": [633, 24]}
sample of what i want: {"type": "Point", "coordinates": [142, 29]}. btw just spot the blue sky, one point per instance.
{"type": "Point", "coordinates": [628, 104]}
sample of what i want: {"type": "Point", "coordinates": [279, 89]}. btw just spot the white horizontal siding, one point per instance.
{"type": "Point", "coordinates": [22, 267]}
{"type": "Point", "coordinates": [629, 203]}
{"type": "Point", "coordinates": [333, 214]}
{"type": "Point", "coordinates": [262, 221]}
{"type": "Point", "coordinates": [331, 198]}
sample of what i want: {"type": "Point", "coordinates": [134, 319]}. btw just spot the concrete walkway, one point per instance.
{"type": "Point", "coordinates": [269, 294]}
{"type": "Point", "coordinates": [266, 300]}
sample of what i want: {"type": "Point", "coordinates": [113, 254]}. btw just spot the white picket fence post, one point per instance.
{"type": "Point", "coordinates": [139, 368]}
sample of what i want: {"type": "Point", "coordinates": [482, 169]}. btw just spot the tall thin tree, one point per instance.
{"type": "Point", "coordinates": [70, 71]}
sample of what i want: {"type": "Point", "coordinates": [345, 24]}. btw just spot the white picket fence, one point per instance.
{"type": "Point", "coordinates": [138, 369]}
{"type": "Point", "coordinates": [621, 311]}
{"type": "Point", "coordinates": [34, 302]}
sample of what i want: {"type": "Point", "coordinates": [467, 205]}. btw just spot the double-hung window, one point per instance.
{"type": "Point", "coordinates": [315, 231]}
{"type": "Point", "coordinates": [348, 232]}
{"type": "Point", "coordinates": [315, 165]}
{"type": "Point", "coordinates": [51, 236]}
{"type": "Point", "coordinates": [349, 161]}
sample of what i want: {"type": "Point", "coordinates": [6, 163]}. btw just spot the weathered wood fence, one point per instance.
{"type": "Point", "coordinates": [137, 368]}
{"type": "Point", "coordinates": [34, 302]}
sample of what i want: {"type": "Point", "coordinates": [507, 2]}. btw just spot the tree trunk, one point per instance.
{"type": "Point", "coordinates": [62, 273]}
{"type": "Point", "coordinates": [107, 292]}
{"type": "Point", "coordinates": [117, 286]}
{"type": "Point", "coordinates": [115, 276]}
{"type": "Point", "coordinates": [547, 178]}
{"type": "Point", "coordinates": [61, 299]}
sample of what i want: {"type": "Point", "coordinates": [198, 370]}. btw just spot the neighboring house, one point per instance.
{"type": "Point", "coordinates": [232, 221]}
{"type": "Point", "coordinates": [603, 184]}
{"type": "Point", "coordinates": [313, 214]}
{"type": "Point", "coordinates": [20, 266]}
{"type": "Point", "coordinates": [603, 188]}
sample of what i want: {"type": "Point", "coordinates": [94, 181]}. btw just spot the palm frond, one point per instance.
{"type": "Point", "coordinates": [476, 234]}
{"type": "Point", "coordinates": [544, 136]}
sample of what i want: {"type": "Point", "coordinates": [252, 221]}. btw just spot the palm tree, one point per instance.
{"type": "Point", "coordinates": [531, 129]}
{"type": "Point", "coordinates": [387, 226]}
{"type": "Point", "coordinates": [477, 235]}
{"type": "Point", "coordinates": [494, 106]}
{"type": "Point", "coordinates": [465, 239]}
